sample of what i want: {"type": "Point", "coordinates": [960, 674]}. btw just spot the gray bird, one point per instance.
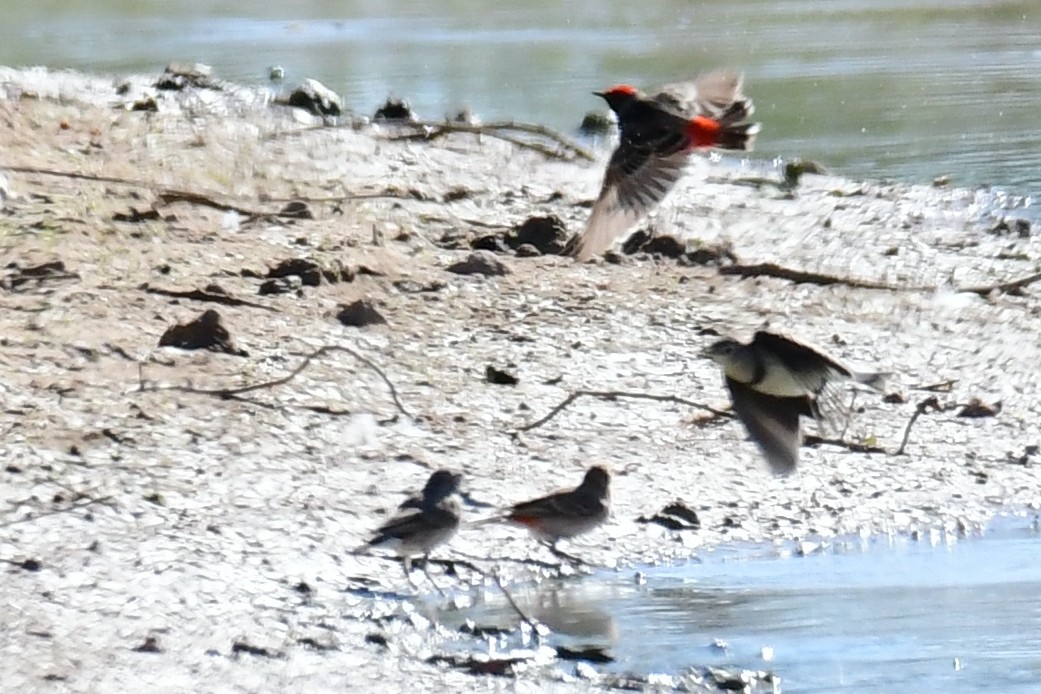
{"type": "Point", "coordinates": [564, 514]}
{"type": "Point", "coordinates": [773, 380]}
{"type": "Point", "coordinates": [424, 520]}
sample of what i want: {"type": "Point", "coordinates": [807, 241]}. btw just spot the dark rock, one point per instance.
{"type": "Point", "coordinates": [205, 332]}
{"type": "Point", "coordinates": [377, 639]}
{"type": "Point", "coordinates": [526, 250]}
{"type": "Point", "coordinates": [471, 628]}
{"type": "Point", "coordinates": [296, 209]}
{"type": "Point", "coordinates": [150, 645]}
{"type": "Point", "coordinates": [590, 654]}
{"type": "Point", "coordinates": [547, 234]}
{"type": "Point", "coordinates": [17, 276]}
{"type": "Point", "coordinates": [148, 104]}
{"type": "Point", "coordinates": [249, 649]}
{"type": "Point", "coordinates": [480, 263]}
{"type": "Point", "coordinates": [280, 285]}
{"type": "Point", "coordinates": [644, 242]}
{"type": "Point", "coordinates": [489, 242]}
{"type": "Point", "coordinates": [635, 241]}
{"type": "Point", "coordinates": [31, 565]}
{"type": "Point", "coordinates": [478, 665]}
{"type": "Point", "coordinates": [179, 76]}
{"type": "Point", "coordinates": [667, 246]}
{"type": "Point", "coordinates": [395, 110]}
{"type": "Point", "coordinates": [596, 123]}
{"type": "Point", "coordinates": [976, 408]}
{"type": "Point", "coordinates": [316, 644]}
{"type": "Point", "coordinates": [500, 377]}
{"type": "Point", "coordinates": [675, 516]}
{"type": "Point", "coordinates": [613, 257]}
{"type": "Point", "coordinates": [310, 273]}
{"type": "Point", "coordinates": [1012, 225]}
{"type": "Point", "coordinates": [715, 255]}
{"type": "Point", "coordinates": [413, 287]}
{"type": "Point", "coordinates": [360, 313]}
{"type": "Point", "coordinates": [314, 97]}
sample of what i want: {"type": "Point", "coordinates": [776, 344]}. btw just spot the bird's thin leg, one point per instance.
{"type": "Point", "coordinates": [557, 552]}
{"type": "Point", "coordinates": [430, 578]}
{"type": "Point", "coordinates": [406, 563]}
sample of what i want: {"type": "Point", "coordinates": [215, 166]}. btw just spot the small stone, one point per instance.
{"type": "Point", "coordinates": [181, 75]}
{"type": "Point", "coordinates": [480, 263]}
{"type": "Point", "coordinates": [205, 332]}
{"type": "Point", "coordinates": [976, 408]}
{"type": "Point", "coordinates": [314, 97]}
{"type": "Point", "coordinates": [547, 234]}
{"type": "Point", "coordinates": [395, 110]}
{"type": "Point", "coordinates": [526, 250]}
{"type": "Point", "coordinates": [281, 285]}
{"type": "Point", "coordinates": [489, 242]}
{"type": "Point", "coordinates": [500, 377]}
{"type": "Point", "coordinates": [150, 645]}
{"type": "Point", "coordinates": [596, 123]}
{"type": "Point", "coordinates": [360, 313]}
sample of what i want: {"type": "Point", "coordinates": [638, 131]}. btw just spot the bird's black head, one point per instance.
{"type": "Point", "coordinates": [597, 477]}
{"type": "Point", "coordinates": [441, 484]}
{"type": "Point", "coordinates": [619, 97]}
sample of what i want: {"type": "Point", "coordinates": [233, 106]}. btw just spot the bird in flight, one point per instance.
{"type": "Point", "coordinates": [658, 132]}
{"type": "Point", "coordinates": [773, 380]}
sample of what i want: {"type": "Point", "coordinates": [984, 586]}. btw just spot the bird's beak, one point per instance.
{"type": "Point", "coordinates": [600, 94]}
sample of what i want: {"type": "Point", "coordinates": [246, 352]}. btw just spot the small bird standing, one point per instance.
{"type": "Point", "coordinates": [775, 379]}
{"type": "Point", "coordinates": [424, 520]}
{"type": "Point", "coordinates": [658, 133]}
{"type": "Point", "coordinates": [564, 514]}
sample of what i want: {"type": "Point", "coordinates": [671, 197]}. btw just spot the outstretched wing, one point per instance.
{"type": "Point", "coordinates": [639, 176]}
{"type": "Point", "coordinates": [772, 422]}
{"type": "Point", "coordinates": [711, 94]}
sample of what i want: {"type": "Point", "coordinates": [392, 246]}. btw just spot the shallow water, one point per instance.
{"type": "Point", "coordinates": [873, 88]}
{"type": "Point", "coordinates": [866, 616]}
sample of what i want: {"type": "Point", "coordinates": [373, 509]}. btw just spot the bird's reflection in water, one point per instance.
{"type": "Point", "coordinates": [573, 611]}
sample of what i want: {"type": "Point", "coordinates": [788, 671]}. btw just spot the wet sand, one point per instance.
{"type": "Point", "coordinates": [132, 512]}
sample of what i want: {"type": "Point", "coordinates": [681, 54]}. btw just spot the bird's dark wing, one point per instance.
{"type": "Point", "coordinates": [562, 504]}
{"type": "Point", "coordinates": [800, 357]}
{"type": "Point", "coordinates": [639, 176]}
{"type": "Point", "coordinates": [772, 422]}
{"type": "Point", "coordinates": [416, 523]}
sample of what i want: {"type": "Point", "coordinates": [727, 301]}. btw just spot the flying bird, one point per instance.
{"type": "Point", "coordinates": [773, 380]}
{"type": "Point", "coordinates": [657, 135]}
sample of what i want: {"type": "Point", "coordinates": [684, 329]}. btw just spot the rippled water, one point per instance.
{"type": "Point", "coordinates": [877, 88]}
{"type": "Point", "coordinates": [873, 616]}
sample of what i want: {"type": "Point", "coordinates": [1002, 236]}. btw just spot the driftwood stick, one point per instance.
{"type": "Point", "coordinates": [616, 394]}
{"type": "Point", "coordinates": [230, 393]}
{"type": "Point", "coordinates": [568, 148]}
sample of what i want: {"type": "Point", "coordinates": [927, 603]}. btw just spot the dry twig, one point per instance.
{"type": "Point", "coordinates": [55, 511]}
{"type": "Point", "coordinates": [233, 393]}
{"type": "Point", "coordinates": [616, 394]}
{"type": "Point", "coordinates": [930, 402]}
{"type": "Point", "coordinates": [568, 149]}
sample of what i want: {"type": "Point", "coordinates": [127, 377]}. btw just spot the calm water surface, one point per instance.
{"type": "Point", "coordinates": [874, 616]}
{"type": "Point", "coordinates": [905, 89]}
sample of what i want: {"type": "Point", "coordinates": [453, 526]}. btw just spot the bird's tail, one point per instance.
{"type": "Point", "coordinates": [488, 521]}
{"type": "Point", "coordinates": [876, 380]}
{"type": "Point", "coordinates": [733, 132]}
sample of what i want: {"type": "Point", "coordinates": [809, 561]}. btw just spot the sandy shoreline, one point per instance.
{"type": "Point", "coordinates": [208, 522]}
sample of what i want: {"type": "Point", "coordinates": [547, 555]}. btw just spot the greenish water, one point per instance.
{"type": "Point", "coordinates": [876, 615]}
{"type": "Point", "coordinates": [877, 88]}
